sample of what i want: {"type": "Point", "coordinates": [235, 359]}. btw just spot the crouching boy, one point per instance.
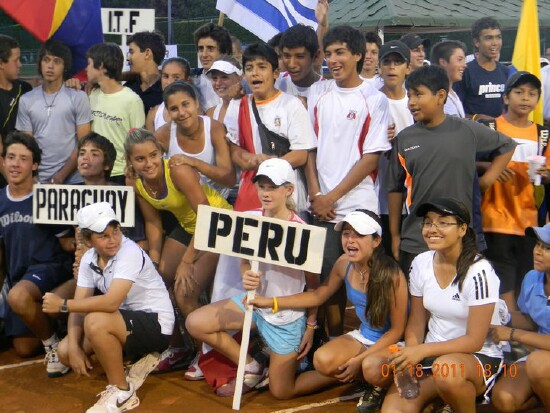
{"type": "Point", "coordinates": [133, 316]}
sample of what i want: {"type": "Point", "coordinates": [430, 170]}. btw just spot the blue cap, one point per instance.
{"type": "Point", "coordinates": [540, 233]}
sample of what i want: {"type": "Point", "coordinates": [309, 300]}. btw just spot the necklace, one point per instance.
{"type": "Point", "coordinates": [49, 106]}
{"type": "Point", "coordinates": [153, 192]}
{"type": "Point", "coordinates": [361, 273]}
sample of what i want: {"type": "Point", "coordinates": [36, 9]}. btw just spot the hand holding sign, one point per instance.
{"type": "Point", "coordinates": [251, 280]}
{"type": "Point", "coordinates": [258, 239]}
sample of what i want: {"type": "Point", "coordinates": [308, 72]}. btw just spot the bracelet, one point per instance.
{"type": "Point", "coordinates": [474, 117]}
{"type": "Point", "coordinates": [312, 323]}
{"type": "Point", "coordinates": [275, 305]}
{"type": "Point", "coordinates": [310, 198]}
{"type": "Point", "coordinates": [312, 327]}
{"type": "Point", "coordinates": [512, 334]}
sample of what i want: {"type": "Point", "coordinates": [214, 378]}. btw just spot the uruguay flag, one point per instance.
{"type": "Point", "coordinates": [266, 18]}
{"type": "Point", "coordinates": [77, 23]}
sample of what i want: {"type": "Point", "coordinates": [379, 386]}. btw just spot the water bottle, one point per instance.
{"type": "Point", "coordinates": [407, 385]}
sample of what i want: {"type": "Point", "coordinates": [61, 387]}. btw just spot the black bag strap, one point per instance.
{"type": "Point", "coordinates": [266, 147]}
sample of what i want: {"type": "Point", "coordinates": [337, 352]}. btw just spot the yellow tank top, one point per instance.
{"type": "Point", "coordinates": [178, 204]}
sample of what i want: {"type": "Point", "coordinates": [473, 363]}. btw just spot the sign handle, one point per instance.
{"type": "Point", "coordinates": [244, 345]}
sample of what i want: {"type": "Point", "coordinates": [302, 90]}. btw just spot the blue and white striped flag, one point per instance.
{"type": "Point", "coordinates": [266, 18]}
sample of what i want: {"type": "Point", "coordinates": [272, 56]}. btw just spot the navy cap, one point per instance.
{"type": "Point", "coordinates": [521, 78]}
{"type": "Point", "coordinates": [448, 206]}
{"type": "Point", "coordinates": [395, 46]}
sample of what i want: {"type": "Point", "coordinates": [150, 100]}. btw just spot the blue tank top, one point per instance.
{"type": "Point", "coordinates": [359, 300]}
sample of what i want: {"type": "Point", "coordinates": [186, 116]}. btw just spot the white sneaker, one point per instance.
{"type": "Point", "coordinates": [138, 372]}
{"type": "Point", "coordinates": [113, 400]}
{"type": "Point", "coordinates": [54, 367]}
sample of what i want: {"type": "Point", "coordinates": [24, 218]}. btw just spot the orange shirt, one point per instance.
{"type": "Point", "coordinates": [509, 208]}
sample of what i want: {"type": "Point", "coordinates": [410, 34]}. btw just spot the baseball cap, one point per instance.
{"type": "Point", "coordinates": [96, 217]}
{"type": "Point", "coordinates": [540, 233]}
{"type": "Point", "coordinates": [395, 46]}
{"type": "Point", "coordinates": [412, 40]}
{"type": "Point", "coordinates": [224, 67]}
{"type": "Point", "coordinates": [447, 206]}
{"type": "Point", "coordinates": [521, 78]}
{"type": "Point", "coordinates": [361, 222]}
{"type": "Point", "coordinates": [278, 170]}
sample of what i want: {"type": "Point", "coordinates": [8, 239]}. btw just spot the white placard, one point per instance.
{"type": "Point", "coordinates": [285, 243]}
{"type": "Point", "coordinates": [127, 21]}
{"type": "Point", "coordinates": [58, 204]}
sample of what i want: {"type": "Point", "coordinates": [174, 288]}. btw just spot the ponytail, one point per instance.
{"type": "Point", "coordinates": [468, 256]}
{"type": "Point", "coordinates": [383, 270]}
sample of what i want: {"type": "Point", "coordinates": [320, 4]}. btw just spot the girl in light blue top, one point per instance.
{"type": "Point", "coordinates": [378, 290]}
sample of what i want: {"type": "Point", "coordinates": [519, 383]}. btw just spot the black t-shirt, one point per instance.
{"type": "Point", "coordinates": [151, 97]}
{"type": "Point", "coordinates": [9, 101]}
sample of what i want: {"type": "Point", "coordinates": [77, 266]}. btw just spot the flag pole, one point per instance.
{"type": "Point", "coordinates": [220, 19]}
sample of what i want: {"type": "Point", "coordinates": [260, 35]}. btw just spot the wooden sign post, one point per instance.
{"type": "Point", "coordinates": [258, 239]}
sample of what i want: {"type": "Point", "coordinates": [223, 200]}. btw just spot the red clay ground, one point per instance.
{"type": "Point", "coordinates": [25, 388]}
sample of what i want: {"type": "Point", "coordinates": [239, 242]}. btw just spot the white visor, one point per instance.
{"type": "Point", "coordinates": [225, 67]}
{"type": "Point", "coordinates": [362, 223]}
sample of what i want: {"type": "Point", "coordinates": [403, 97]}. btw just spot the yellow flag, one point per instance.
{"type": "Point", "coordinates": [527, 48]}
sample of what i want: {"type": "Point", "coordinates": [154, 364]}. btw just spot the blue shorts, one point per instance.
{"type": "Point", "coordinates": [281, 339]}
{"type": "Point", "coordinates": [46, 277]}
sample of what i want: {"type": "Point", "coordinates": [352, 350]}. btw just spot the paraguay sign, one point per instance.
{"type": "Point", "coordinates": [254, 237]}
{"type": "Point", "coordinates": [58, 204]}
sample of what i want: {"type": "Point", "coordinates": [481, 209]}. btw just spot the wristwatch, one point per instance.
{"type": "Point", "coordinates": [64, 308]}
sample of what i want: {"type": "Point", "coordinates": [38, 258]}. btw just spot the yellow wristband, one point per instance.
{"type": "Point", "coordinates": [474, 117]}
{"type": "Point", "coordinates": [275, 305]}
{"type": "Point", "coordinates": [311, 327]}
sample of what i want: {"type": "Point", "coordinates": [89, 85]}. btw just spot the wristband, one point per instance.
{"type": "Point", "coordinates": [474, 117]}
{"type": "Point", "coordinates": [315, 327]}
{"type": "Point", "coordinates": [312, 323]}
{"type": "Point", "coordinates": [512, 334]}
{"type": "Point", "coordinates": [275, 305]}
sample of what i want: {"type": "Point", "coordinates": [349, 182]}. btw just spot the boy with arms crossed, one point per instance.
{"type": "Point", "coordinates": [436, 157]}
{"type": "Point", "coordinates": [351, 120]}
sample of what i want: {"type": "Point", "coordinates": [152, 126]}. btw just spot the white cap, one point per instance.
{"type": "Point", "coordinates": [96, 217]}
{"type": "Point", "coordinates": [277, 170]}
{"type": "Point", "coordinates": [225, 67]}
{"type": "Point", "coordinates": [361, 222]}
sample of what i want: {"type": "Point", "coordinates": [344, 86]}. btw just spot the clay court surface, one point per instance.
{"type": "Point", "coordinates": [25, 388]}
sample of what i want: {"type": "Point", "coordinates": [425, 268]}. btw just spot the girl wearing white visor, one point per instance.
{"type": "Point", "coordinates": [378, 290]}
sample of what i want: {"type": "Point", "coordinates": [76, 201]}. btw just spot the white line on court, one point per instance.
{"type": "Point", "coordinates": [320, 404]}
{"type": "Point", "coordinates": [24, 363]}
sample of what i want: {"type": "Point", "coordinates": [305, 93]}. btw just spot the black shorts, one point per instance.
{"type": "Point", "coordinates": [180, 235]}
{"type": "Point", "coordinates": [144, 333]}
{"type": "Point", "coordinates": [511, 257]}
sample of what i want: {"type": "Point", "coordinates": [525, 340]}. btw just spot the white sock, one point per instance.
{"type": "Point", "coordinates": [253, 366]}
{"type": "Point", "coordinates": [51, 342]}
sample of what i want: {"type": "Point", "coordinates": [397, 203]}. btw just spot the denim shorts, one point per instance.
{"type": "Point", "coordinates": [281, 339]}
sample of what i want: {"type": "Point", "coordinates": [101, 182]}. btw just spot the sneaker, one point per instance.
{"type": "Point", "coordinates": [251, 380]}
{"type": "Point", "coordinates": [194, 373]}
{"type": "Point", "coordinates": [54, 367]}
{"type": "Point", "coordinates": [372, 399]}
{"type": "Point", "coordinates": [173, 358]}
{"type": "Point", "coordinates": [112, 400]}
{"type": "Point", "coordinates": [138, 372]}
